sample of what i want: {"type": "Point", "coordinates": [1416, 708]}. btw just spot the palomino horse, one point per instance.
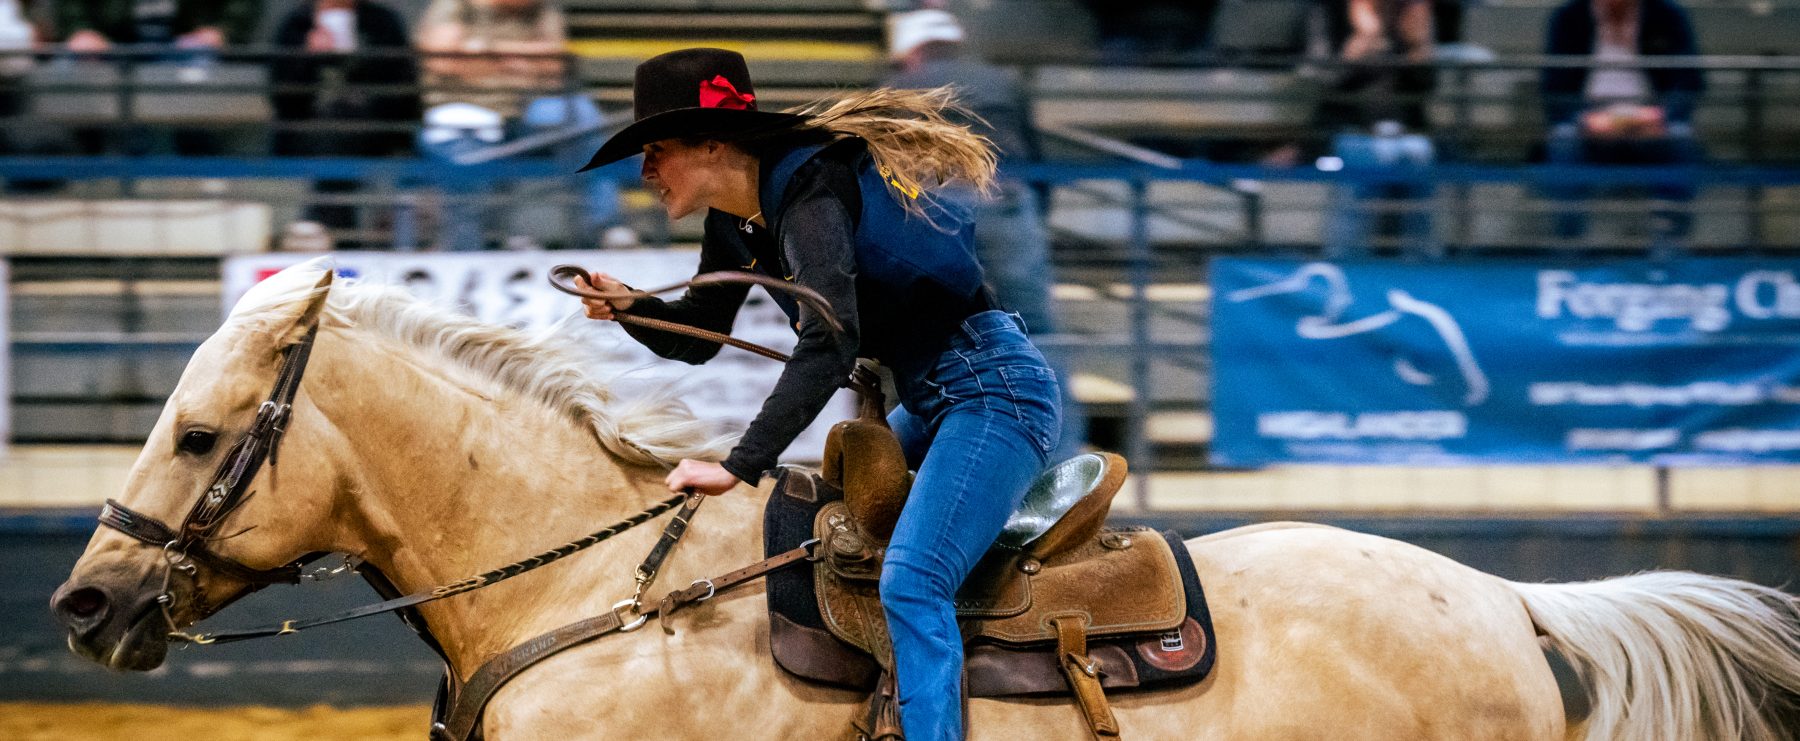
{"type": "Point", "coordinates": [434, 446]}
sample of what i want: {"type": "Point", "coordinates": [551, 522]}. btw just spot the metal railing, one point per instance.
{"type": "Point", "coordinates": [1480, 110]}
{"type": "Point", "coordinates": [1125, 214]}
{"type": "Point", "coordinates": [1133, 336]}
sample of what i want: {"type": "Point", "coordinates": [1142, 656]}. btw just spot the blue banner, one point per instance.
{"type": "Point", "coordinates": [1693, 361]}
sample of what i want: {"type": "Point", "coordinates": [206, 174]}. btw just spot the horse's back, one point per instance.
{"type": "Point", "coordinates": [1320, 627]}
{"type": "Point", "coordinates": [1321, 632]}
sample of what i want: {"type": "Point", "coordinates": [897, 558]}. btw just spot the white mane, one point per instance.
{"type": "Point", "coordinates": [647, 425]}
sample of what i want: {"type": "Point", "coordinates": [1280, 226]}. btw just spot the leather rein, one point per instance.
{"type": "Point", "coordinates": [460, 704]}
{"type": "Point", "coordinates": [862, 379]}
{"type": "Point", "coordinates": [562, 278]}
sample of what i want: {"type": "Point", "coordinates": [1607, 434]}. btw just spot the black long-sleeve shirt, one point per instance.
{"type": "Point", "coordinates": [817, 224]}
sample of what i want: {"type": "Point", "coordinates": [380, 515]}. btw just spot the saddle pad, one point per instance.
{"type": "Point", "coordinates": [801, 644]}
{"type": "Point", "coordinates": [1182, 653]}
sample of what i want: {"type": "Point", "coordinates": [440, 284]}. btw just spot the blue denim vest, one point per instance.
{"type": "Point", "coordinates": [904, 263]}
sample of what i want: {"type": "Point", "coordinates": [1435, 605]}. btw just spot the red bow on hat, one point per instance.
{"type": "Point", "coordinates": [719, 93]}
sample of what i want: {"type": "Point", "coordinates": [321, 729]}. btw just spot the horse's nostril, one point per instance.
{"type": "Point", "coordinates": [82, 603]}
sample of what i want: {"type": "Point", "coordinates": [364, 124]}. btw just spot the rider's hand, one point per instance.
{"type": "Point", "coordinates": [705, 477]}
{"type": "Point", "coordinates": [599, 308]}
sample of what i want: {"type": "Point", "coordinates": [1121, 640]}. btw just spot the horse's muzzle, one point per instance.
{"type": "Point", "coordinates": [118, 625]}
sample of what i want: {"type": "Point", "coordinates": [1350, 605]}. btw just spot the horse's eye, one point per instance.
{"type": "Point", "coordinates": [198, 442]}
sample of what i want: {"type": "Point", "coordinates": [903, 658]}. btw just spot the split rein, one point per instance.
{"type": "Point", "coordinates": [484, 579]}
{"type": "Point", "coordinates": [562, 277]}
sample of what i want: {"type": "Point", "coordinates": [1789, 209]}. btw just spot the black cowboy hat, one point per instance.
{"type": "Point", "coordinates": [690, 93]}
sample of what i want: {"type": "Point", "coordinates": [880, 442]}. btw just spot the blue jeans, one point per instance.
{"type": "Point", "coordinates": [465, 220]}
{"type": "Point", "coordinates": [1355, 220]}
{"type": "Point", "coordinates": [978, 425]}
{"type": "Point", "coordinates": [1567, 146]}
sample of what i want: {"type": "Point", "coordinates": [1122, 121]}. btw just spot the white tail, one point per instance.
{"type": "Point", "coordinates": [1677, 655]}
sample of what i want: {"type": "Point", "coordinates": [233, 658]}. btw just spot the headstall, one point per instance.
{"type": "Point", "coordinates": [187, 545]}
{"type": "Point", "coordinates": [462, 703]}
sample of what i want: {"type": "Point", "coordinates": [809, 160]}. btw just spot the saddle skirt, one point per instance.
{"type": "Point", "coordinates": [1134, 590]}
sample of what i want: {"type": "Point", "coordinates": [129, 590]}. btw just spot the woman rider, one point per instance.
{"type": "Point", "coordinates": [830, 197]}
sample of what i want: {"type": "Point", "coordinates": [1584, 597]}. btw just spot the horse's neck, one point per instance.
{"type": "Point", "coordinates": [452, 478]}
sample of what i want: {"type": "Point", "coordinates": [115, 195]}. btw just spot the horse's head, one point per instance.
{"type": "Point", "coordinates": [127, 592]}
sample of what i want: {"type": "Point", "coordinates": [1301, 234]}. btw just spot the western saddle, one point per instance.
{"type": "Point", "coordinates": [1055, 580]}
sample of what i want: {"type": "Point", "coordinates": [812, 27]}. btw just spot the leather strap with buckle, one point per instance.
{"type": "Point", "coordinates": [1083, 675]}
{"type": "Point", "coordinates": [671, 535]}
{"type": "Point", "coordinates": [466, 703]}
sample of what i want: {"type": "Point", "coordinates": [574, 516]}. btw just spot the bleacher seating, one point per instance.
{"type": "Point", "coordinates": [1134, 102]}
{"type": "Point", "coordinates": [1507, 28]}
{"type": "Point", "coordinates": [133, 227]}
{"type": "Point", "coordinates": [92, 360]}
{"type": "Point", "coordinates": [798, 49]}
{"type": "Point", "coordinates": [1260, 27]}
{"type": "Point", "coordinates": [1250, 89]}
{"type": "Point", "coordinates": [1036, 30]}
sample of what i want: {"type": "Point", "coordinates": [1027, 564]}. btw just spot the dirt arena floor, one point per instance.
{"type": "Point", "coordinates": [110, 722]}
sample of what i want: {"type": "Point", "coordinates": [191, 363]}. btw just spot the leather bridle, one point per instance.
{"type": "Point", "coordinates": [188, 545]}
{"type": "Point", "coordinates": [460, 704]}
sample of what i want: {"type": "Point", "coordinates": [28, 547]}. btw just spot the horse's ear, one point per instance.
{"type": "Point", "coordinates": [311, 309]}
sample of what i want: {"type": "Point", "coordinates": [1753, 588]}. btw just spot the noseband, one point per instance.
{"type": "Point", "coordinates": [460, 704]}
{"type": "Point", "coordinates": [185, 546]}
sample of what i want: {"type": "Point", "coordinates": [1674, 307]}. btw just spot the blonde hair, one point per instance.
{"type": "Point", "coordinates": [912, 137]}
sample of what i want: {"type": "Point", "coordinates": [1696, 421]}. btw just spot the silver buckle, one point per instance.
{"type": "Point", "coordinates": [625, 627]}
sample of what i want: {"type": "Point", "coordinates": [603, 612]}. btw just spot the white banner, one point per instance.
{"type": "Point", "coordinates": [512, 288]}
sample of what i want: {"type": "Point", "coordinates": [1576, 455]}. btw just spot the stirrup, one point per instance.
{"type": "Point", "coordinates": [881, 722]}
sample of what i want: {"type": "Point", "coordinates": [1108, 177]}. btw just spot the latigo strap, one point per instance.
{"type": "Point", "coordinates": [1083, 674]}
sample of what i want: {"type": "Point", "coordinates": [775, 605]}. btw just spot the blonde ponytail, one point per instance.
{"type": "Point", "coordinates": [912, 137]}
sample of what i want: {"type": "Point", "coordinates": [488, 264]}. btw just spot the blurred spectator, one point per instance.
{"type": "Point", "coordinates": [95, 25]}
{"type": "Point", "coordinates": [341, 66]}
{"type": "Point", "coordinates": [17, 39]}
{"type": "Point", "coordinates": [1618, 114]}
{"type": "Point", "coordinates": [1397, 39]}
{"type": "Point", "coordinates": [194, 26]}
{"type": "Point", "coordinates": [1131, 31]}
{"type": "Point", "coordinates": [1011, 242]}
{"type": "Point", "coordinates": [522, 43]}
{"type": "Point", "coordinates": [521, 76]}
{"type": "Point", "coordinates": [1374, 111]}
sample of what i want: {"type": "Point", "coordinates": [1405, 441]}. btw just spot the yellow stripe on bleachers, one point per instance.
{"type": "Point", "coordinates": [809, 51]}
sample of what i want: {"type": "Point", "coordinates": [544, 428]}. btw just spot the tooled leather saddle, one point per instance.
{"type": "Point", "coordinates": [1061, 605]}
